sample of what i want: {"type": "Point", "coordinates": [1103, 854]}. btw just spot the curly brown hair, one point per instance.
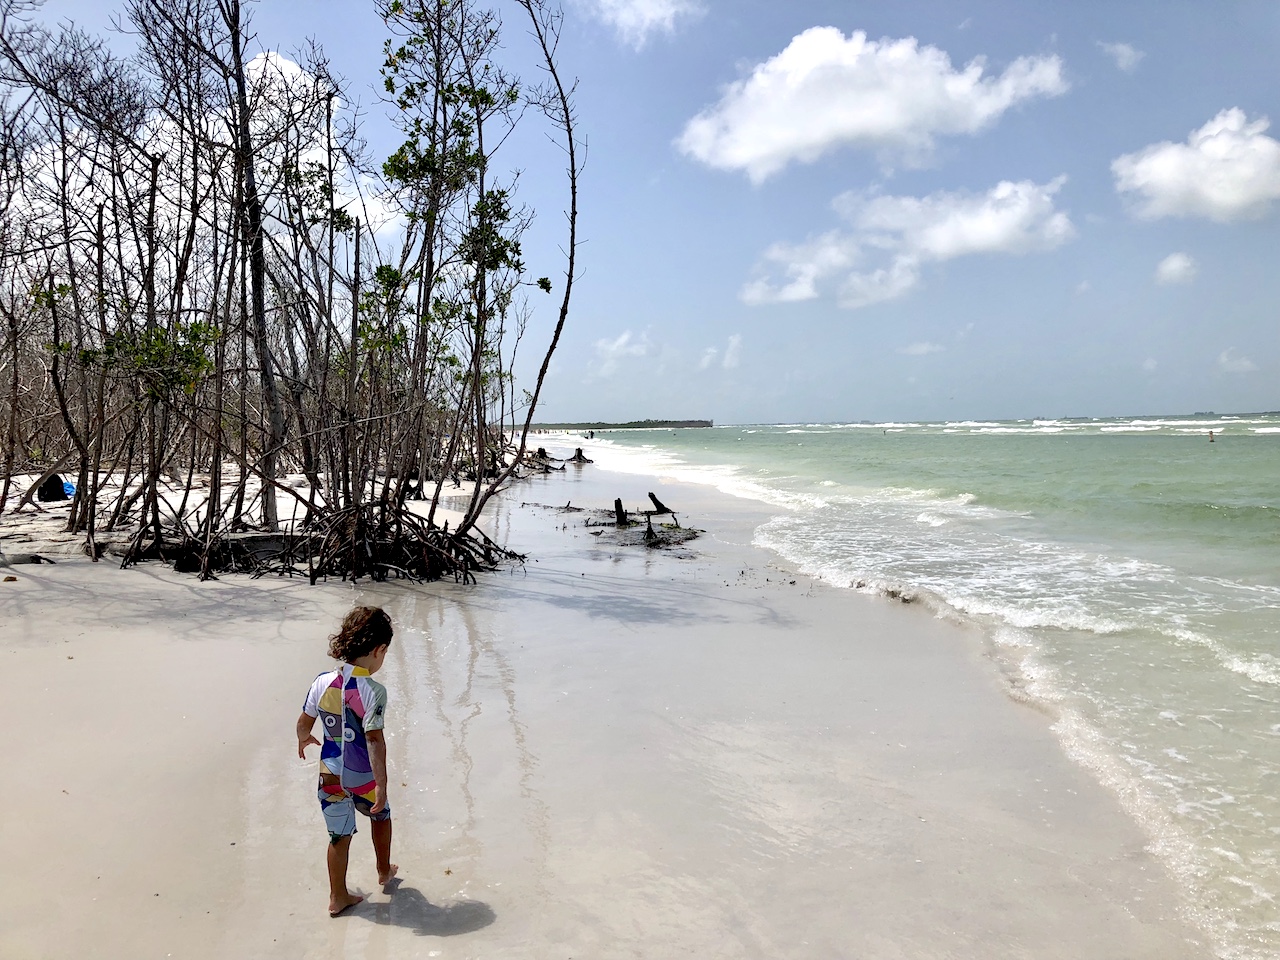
{"type": "Point", "coordinates": [363, 630]}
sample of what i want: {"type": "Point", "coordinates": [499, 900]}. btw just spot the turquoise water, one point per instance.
{"type": "Point", "coordinates": [1126, 574]}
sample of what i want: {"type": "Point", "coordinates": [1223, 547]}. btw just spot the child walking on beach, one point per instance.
{"type": "Point", "coordinates": [353, 757]}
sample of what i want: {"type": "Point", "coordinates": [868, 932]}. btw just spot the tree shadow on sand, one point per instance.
{"type": "Point", "coordinates": [408, 908]}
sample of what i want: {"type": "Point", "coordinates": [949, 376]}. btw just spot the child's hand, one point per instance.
{"type": "Point", "coordinates": [303, 744]}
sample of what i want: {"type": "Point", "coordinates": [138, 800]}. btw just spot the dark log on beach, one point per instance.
{"type": "Point", "coordinates": [661, 508]}
{"type": "Point", "coordinates": [51, 489]}
{"type": "Point", "coordinates": [578, 457]}
{"type": "Point", "coordinates": [31, 491]}
{"type": "Point", "coordinates": [620, 514]}
{"type": "Point", "coordinates": [14, 560]}
{"type": "Point", "coordinates": [649, 535]}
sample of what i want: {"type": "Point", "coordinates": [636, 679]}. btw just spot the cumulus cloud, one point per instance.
{"type": "Point", "coordinates": [635, 21]}
{"type": "Point", "coordinates": [729, 360]}
{"type": "Point", "coordinates": [826, 90]}
{"type": "Point", "coordinates": [1229, 169]}
{"type": "Point", "coordinates": [610, 353]}
{"type": "Point", "coordinates": [1177, 268]}
{"type": "Point", "coordinates": [1231, 362]}
{"type": "Point", "coordinates": [1126, 56]}
{"type": "Point", "coordinates": [732, 352]}
{"type": "Point", "coordinates": [922, 349]}
{"type": "Point", "coordinates": [892, 238]}
{"type": "Point", "coordinates": [804, 265]}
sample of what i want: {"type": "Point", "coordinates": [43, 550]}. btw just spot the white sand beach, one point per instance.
{"type": "Point", "coordinates": [610, 752]}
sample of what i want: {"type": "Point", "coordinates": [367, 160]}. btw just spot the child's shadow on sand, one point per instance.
{"type": "Point", "coordinates": [410, 909]}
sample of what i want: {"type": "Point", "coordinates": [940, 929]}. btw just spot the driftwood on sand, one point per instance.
{"type": "Point", "coordinates": [618, 526]}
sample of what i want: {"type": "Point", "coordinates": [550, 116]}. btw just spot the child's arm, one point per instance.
{"type": "Point", "coordinates": [305, 739]}
{"type": "Point", "coordinates": [378, 760]}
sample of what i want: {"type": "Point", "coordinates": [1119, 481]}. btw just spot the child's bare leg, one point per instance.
{"type": "Point", "coordinates": [381, 830]}
{"type": "Point", "coordinates": [339, 897]}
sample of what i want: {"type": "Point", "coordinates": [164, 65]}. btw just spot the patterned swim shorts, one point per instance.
{"type": "Point", "coordinates": [339, 807]}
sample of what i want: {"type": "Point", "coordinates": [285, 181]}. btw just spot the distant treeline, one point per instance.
{"type": "Point", "coordinates": [633, 425]}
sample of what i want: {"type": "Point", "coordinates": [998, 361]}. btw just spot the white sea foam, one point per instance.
{"type": "Point", "coordinates": [932, 520]}
{"type": "Point", "coordinates": [1174, 845]}
{"type": "Point", "coordinates": [1019, 430]}
{"type": "Point", "coordinates": [1264, 669]}
{"type": "Point", "coordinates": [648, 460]}
{"type": "Point", "coordinates": [888, 424]}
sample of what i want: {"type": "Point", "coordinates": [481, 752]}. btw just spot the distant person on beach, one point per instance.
{"type": "Point", "coordinates": [353, 758]}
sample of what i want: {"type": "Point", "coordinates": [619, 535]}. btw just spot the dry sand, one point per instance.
{"type": "Point", "coordinates": [607, 753]}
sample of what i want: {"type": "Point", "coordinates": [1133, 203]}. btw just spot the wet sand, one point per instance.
{"type": "Point", "coordinates": [610, 752]}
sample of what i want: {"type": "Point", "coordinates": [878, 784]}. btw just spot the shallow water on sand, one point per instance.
{"type": "Point", "coordinates": [1127, 572]}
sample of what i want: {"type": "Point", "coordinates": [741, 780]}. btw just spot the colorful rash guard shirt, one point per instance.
{"type": "Point", "coordinates": [349, 693]}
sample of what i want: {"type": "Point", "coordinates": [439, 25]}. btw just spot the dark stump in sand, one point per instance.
{"type": "Point", "coordinates": [51, 490]}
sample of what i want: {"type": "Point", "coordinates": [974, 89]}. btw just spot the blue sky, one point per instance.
{"type": "Point", "coordinates": [841, 211]}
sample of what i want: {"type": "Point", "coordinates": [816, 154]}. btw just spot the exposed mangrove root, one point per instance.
{"type": "Point", "coordinates": [381, 544]}
{"type": "Point", "coordinates": [359, 542]}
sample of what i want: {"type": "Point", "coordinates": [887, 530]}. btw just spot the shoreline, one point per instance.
{"type": "Point", "coordinates": [609, 752]}
{"type": "Point", "coordinates": [1223, 877]}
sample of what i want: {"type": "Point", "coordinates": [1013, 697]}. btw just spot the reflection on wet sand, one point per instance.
{"type": "Point", "coordinates": [459, 687]}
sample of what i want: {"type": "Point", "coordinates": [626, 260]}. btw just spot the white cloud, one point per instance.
{"type": "Point", "coordinates": [1083, 287]}
{"type": "Point", "coordinates": [884, 283]}
{"type": "Point", "coordinates": [1177, 268]}
{"type": "Point", "coordinates": [732, 352]}
{"type": "Point", "coordinates": [635, 21]}
{"type": "Point", "coordinates": [1010, 218]}
{"type": "Point", "coordinates": [1231, 362]}
{"type": "Point", "coordinates": [1227, 170]}
{"type": "Point", "coordinates": [1150, 364]}
{"type": "Point", "coordinates": [731, 358]}
{"type": "Point", "coordinates": [610, 353]}
{"type": "Point", "coordinates": [1126, 56]}
{"type": "Point", "coordinates": [922, 349]}
{"type": "Point", "coordinates": [825, 90]}
{"type": "Point", "coordinates": [805, 265]}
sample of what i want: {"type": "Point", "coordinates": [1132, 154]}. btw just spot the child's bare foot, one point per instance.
{"type": "Point", "coordinates": [337, 906]}
{"type": "Point", "coordinates": [385, 878]}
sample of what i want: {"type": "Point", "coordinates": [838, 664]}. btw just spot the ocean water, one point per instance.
{"type": "Point", "coordinates": [1125, 572]}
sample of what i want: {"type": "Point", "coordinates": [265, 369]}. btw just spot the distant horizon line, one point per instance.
{"type": "Point", "coordinates": [692, 424]}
